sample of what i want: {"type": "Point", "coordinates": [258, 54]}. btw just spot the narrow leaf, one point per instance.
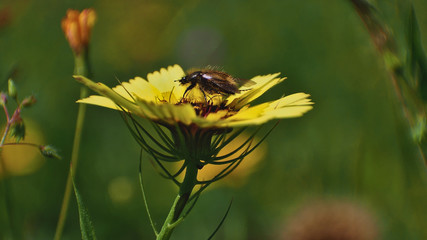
{"type": "Point", "coordinates": [86, 226]}
{"type": "Point", "coordinates": [141, 183]}
{"type": "Point", "coordinates": [222, 221]}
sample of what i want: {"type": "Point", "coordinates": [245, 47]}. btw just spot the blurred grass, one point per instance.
{"type": "Point", "coordinates": [353, 144]}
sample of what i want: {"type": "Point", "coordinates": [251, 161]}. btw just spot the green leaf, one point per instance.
{"type": "Point", "coordinates": [86, 226]}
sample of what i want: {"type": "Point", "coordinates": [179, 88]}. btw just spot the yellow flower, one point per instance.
{"type": "Point", "coordinates": [200, 124]}
{"type": "Point", "coordinates": [160, 98]}
{"type": "Point", "coordinates": [77, 27]}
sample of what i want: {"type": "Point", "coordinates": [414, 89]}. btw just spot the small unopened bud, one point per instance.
{"type": "Point", "coordinates": [77, 27]}
{"type": "Point", "coordinates": [17, 129]}
{"type": "Point", "coordinates": [29, 101]}
{"type": "Point", "coordinates": [3, 98]}
{"type": "Point", "coordinates": [49, 151]}
{"type": "Point", "coordinates": [12, 89]}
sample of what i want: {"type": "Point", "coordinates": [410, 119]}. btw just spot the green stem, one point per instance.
{"type": "Point", "coordinates": [21, 143]}
{"type": "Point", "coordinates": [6, 130]}
{"type": "Point", "coordinates": [9, 228]}
{"type": "Point", "coordinates": [173, 218]}
{"type": "Point", "coordinates": [81, 67]}
{"type": "Point", "coordinates": [4, 183]}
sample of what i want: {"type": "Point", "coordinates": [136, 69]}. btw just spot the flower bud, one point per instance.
{"type": "Point", "coordinates": [29, 101]}
{"type": "Point", "coordinates": [17, 129]}
{"type": "Point", "coordinates": [3, 98]}
{"type": "Point", "coordinates": [49, 151]}
{"type": "Point", "coordinates": [77, 27]}
{"type": "Point", "coordinates": [12, 89]}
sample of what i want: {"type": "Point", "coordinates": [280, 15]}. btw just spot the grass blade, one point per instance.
{"type": "Point", "coordinates": [86, 226]}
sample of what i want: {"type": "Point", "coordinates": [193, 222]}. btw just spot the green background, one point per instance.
{"type": "Point", "coordinates": [354, 144]}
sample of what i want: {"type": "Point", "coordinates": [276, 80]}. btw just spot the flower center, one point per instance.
{"type": "Point", "coordinates": [204, 108]}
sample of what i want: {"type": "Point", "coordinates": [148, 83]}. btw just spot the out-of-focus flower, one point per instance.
{"type": "Point", "coordinates": [77, 28]}
{"type": "Point", "coordinates": [17, 126]}
{"type": "Point", "coordinates": [332, 220]}
{"type": "Point", "coordinates": [238, 177]}
{"type": "Point", "coordinates": [120, 189]}
{"type": "Point", "coordinates": [29, 101]}
{"type": "Point", "coordinates": [21, 159]}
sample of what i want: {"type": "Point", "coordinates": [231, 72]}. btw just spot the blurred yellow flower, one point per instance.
{"type": "Point", "coordinates": [22, 159]}
{"type": "Point", "coordinates": [161, 99]}
{"type": "Point", "coordinates": [120, 189]}
{"type": "Point", "coordinates": [238, 176]}
{"type": "Point", "coordinates": [77, 27]}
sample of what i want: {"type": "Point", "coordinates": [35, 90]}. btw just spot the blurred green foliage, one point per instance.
{"type": "Point", "coordinates": [354, 144]}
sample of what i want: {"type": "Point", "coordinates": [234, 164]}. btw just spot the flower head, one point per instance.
{"type": "Point", "coordinates": [194, 117]}
{"type": "Point", "coordinates": [77, 27]}
{"type": "Point", "coordinates": [332, 219]}
{"type": "Point", "coordinates": [161, 99]}
{"type": "Point", "coordinates": [200, 123]}
{"type": "Point", "coordinates": [17, 126]}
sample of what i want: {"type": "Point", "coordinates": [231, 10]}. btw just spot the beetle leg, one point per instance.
{"type": "Point", "coordinates": [188, 89]}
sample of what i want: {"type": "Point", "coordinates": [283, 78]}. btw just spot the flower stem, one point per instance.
{"type": "Point", "coordinates": [173, 218]}
{"type": "Point", "coordinates": [9, 226]}
{"type": "Point", "coordinates": [81, 67]}
{"type": "Point", "coordinates": [6, 130]}
{"type": "Point", "coordinates": [4, 184]}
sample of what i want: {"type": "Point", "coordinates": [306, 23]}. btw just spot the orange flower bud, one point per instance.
{"type": "Point", "coordinates": [77, 27]}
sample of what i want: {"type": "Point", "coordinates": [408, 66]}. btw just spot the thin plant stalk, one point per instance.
{"type": "Point", "coordinates": [5, 185]}
{"type": "Point", "coordinates": [408, 96]}
{"type": "Point", "coordinates": [7, 202]}
{"type": "Point", "coordinates": [81, 67]}
{"type": "Point", "coordinates": [173, 218]}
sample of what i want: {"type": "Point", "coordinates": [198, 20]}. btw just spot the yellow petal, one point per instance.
{"type": "Point", "coordinates": [99, 101]}
{"type": "Point", "coordinates": [109, 93]}
{"type": "Point", "coordinates": [137, 87]}
{"type": "Point", "coordinates": [217, 115]}
{"type": "Point", "coordinates": [263, 83]}
{"type": "Point", "coordinates": [167, 113]}
{"type": "Point", "coordinates": [294, 105]}
{"type": "Point", "coordinates": [288, 112]}
{"type": "Point", "coordinates": [157, 99]}
{"type": "Point", "coordinates": [248, 113]}
{"type": "Point", "coordinates": [296, 99]}
{"type": "Point", "coordinates": [165, 79]}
